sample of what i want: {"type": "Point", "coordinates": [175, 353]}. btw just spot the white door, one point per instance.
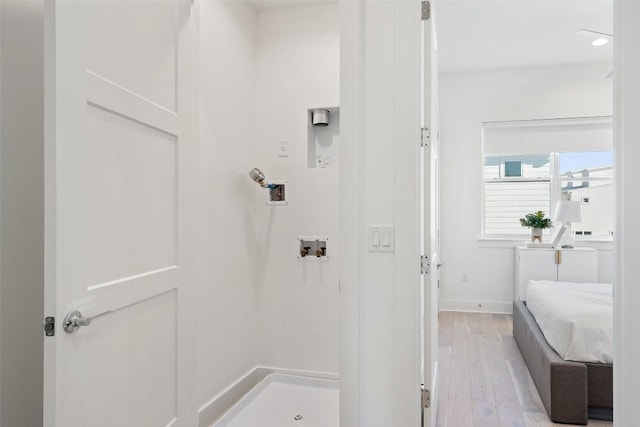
{"type": "Point", "coordinates": [430, 217]}
{"type": "Point", "coordinates": [120, 156]}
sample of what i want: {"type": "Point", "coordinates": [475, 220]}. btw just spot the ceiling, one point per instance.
{"type": "Point", "coordinates": [488, 34]}
{"type": "Point", "coordinates": [275, 4]}
{"type": "Point", "coordinates": [480, 34]}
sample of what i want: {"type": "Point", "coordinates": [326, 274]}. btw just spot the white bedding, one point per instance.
{"type": "Point", "coordinates": [575, 318]}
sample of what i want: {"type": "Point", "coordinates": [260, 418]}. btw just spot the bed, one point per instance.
{"type": "Point", "coordinates": [571, 390]}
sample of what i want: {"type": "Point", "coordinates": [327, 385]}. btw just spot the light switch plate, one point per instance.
{"type": "Point", "coordinates": [381, 238]}
{"type": "Point", "coordinates": [283, 148]}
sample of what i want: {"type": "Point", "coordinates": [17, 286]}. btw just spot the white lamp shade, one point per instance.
{"type": "Point", "coordinates": [568, 211]}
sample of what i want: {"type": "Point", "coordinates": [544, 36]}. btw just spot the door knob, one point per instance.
{"type": "Point", "coordinates": [74, 319]}
{"type": "Point", "coordinates": [440, 265]}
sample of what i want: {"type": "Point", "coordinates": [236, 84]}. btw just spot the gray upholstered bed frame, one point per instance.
{"type": "Point", "coordinates": [571, 392]}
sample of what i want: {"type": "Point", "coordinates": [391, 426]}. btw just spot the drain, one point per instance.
{"type": "Point", "coordinates": [297, 417]}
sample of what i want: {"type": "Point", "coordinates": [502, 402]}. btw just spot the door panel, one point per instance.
{"type": "Point", "coordinates": [107, 356]}
{"type": "Point", "coordinates": [538, 265]}
{"type": "Point", "coordinates": [119, 237]}
{"type": "Point", "coordinates": [580, 266]}
{"type": "Point", "coordinates": [133, 45]}
{"type": "Point", "coordinates": [131, 174]}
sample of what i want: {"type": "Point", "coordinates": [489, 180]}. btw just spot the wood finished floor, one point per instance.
{"type": "Point", "coordinates": [484, 381]}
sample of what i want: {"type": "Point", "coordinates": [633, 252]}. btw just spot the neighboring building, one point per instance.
{"type": "Point", "coordinates": [594, 188]}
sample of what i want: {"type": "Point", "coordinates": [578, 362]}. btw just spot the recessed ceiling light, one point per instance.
{"type": "Point", "coordinates": [599, 38]}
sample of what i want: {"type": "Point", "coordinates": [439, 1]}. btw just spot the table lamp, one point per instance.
{"type": "Point", "coordinates": [568, 212]}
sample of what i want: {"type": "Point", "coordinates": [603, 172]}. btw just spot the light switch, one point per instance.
{"type": "Point", "coordinates": [381, 238]}
{"type": "Point", "coordinates": [386, 238]}
{"type": "Point", "coordinates": [375, 239]}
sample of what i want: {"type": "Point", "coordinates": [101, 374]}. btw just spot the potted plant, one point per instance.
{"type": "Point", "coordinates": [537, 222]}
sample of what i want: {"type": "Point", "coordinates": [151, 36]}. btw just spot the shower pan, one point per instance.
{"type": "Point", "coordinates": [286, 400]}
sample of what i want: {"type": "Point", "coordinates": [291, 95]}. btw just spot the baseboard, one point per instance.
{"type": "Point", "coordinates": [498, 307]}
{"type": "Point", "coordinates": [218, 405]}
{"type": "Point", "coordinates": [266, 370]}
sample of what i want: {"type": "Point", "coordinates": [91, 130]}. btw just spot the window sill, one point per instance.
{"type": "Point", "coordinates": [604, 243]}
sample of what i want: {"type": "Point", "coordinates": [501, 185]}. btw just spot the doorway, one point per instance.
{"type": "Point", "coordinates": [504, 79]}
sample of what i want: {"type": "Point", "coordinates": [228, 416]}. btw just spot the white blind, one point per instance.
{"type": "Point", "coordinates": [507, 201]}
{"type": "Point", "coordinates": [554, 135]}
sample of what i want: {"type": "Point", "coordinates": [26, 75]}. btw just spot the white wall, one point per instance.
{"type": "Point", "coordinates": [259, 305]}
{"type": "Point", "coordinates": [380, 297]}
{"type": "Point", "coordinates": [466, 100]}
{"type": "Point", "coordinates": [351, 79]}
{"type": "Point", "coordinates": [21, 229]}
{"type": "Point", "coordinates": [229, 245]}
{"type": "Point", "coordinates": [627, 316]}
{"type": "Point", "coordinates": [1, 139]}
{"type": "Point", "coordinates": [298, 63]}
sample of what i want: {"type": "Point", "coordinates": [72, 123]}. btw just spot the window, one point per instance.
{"type": "Point", "coordinates": [507, 198]}
{"type": "Point", "coordinates": [512, 168]}
{"type": "Point", "coordinates": [572, 161]}
{"type": "Point", "coordinates": [588, 177]}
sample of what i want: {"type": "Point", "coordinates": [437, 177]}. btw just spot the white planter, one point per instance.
{"type": "Point", "coordinates": [536, 234]}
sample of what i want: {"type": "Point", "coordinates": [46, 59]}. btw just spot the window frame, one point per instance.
{"type": "Point", "coordinates": [555, 180]}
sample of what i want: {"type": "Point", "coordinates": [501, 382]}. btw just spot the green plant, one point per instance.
{"type": "Point", "coordinates": [536, 220]}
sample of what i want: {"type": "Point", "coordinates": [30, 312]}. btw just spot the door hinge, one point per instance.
{"type": "Point", "coordinates": [424, 264]}
{"type": "Point", "coordinates": [426, 10]}
{"type": "Point", "coordinates": [425, 396]}
{"type": "Point", "coordinates": [425, 137]}
{"type": "Point", "coordinates": [49, 326]}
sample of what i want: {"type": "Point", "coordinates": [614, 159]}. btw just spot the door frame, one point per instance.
{"type": "Point", "coordinates": [430, 214]}
{"type": "Point", "coordinates": [626, 94]}
{"type": "Point", "coordinates": [627, 234]}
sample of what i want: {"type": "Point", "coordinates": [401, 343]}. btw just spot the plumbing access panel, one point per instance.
{"type": "Point", "coordinates": [312, 248]}
{"type": "Point", "coordinates": [277, 194]}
